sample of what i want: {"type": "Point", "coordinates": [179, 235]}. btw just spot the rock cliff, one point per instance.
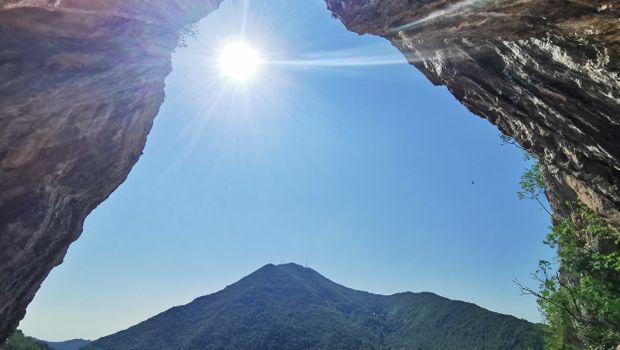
{"type": "Point", "coordinates": [546, 72]}
{"type": "Point", "coordinates": [82, 80]}
{"type": "Point", "coordinates": [80, 84]}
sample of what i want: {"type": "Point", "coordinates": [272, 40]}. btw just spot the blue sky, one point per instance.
{"type": "Point", "coordinates": [337, 155]}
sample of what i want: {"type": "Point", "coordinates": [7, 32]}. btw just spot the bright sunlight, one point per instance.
{"type": "Point", "coordinates": [239, 61]}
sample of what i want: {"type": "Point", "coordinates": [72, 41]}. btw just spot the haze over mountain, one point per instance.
{"type": "Point", "coordinates": [291, 307]}
{"type": "Point", "coordinates": [72, 344]}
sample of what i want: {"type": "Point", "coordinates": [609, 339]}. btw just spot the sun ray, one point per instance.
{"type": "Point", "coordinates": [358, 57]}
{"type": "Point", "coordinates": [239, 61]}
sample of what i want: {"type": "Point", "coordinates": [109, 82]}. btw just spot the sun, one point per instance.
{"type": "Point", "coordinates": [239, 61]}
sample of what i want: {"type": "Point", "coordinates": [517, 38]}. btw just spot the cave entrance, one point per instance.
{"type": "Point", "coordinates": [336, 154]}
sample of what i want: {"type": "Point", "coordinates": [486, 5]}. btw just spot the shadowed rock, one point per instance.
{"type": "Point", "coordinates": [80, 84]}
{"type": "Point", "coordinates": [546, 72]}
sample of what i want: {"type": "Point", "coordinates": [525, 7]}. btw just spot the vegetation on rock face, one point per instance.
{"type": "Point", "coordinates": [20, 342]}
{"type": "Point", "coordinates": [292, 307]}
{"type": "Point", "coordinates": [579, 290]}
{"type": "Point", "coordinates": [582, 299]}
{"type": "Point", "coordinates": [189, 33]}
{"type": "Point", "coordinates": [589, 294]}
{"type": "Point", "coordinates": [532, 185]}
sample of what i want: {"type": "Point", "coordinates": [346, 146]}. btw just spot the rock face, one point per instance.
{"type": "Point", "coordinates": [546, 72]}
{"type": "Point", "coordinates": [82, 80]}
{"type": "Point", "coordinates": [80, 84]}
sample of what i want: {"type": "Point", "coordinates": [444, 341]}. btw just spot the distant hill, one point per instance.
{"type": "Point", "coordinates": [72, 344]}
{"type": "Point", "coordinates": [18, 341]}
{"type": "Point", "coordinates": [292, 307]}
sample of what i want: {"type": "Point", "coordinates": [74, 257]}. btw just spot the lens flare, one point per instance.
{"type": "Point", "coordinates": [239, 61]}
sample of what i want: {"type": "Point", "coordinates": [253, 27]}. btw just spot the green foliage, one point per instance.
{"type": "Point", "coordinates": [585, 297]}
{"type": "Point", "coordinates": [532, 186]}
{"type": "Point", "coordinates": [531, 183]}
{"type": "Point", "coordinates": [20, 342]}
{"type": "Point", "coordinates": [292, 307]}
{"type": "Point", "coordinates": [189, 33]}
{"type": "Point", "coordinates": [579, 290]}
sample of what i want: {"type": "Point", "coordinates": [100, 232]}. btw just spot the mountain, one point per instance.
{"type": "Point", "coordinates": [292, 307]}
{"type": "Point", "coordinates": [72, 344]}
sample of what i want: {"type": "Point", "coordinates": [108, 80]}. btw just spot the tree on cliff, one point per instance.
{"type": "Point", "coordinates": [579, 290]}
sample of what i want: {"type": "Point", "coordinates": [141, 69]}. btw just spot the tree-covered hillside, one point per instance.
{"type": "Point", "coordinates": [292, 307]}
{"type": "Point", "coordinates": [20, 342]}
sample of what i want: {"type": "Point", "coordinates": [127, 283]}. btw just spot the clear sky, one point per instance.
{"type": "Point", "coordinates": [337, 154]}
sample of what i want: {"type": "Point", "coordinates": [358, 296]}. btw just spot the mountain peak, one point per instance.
{"type": "Point", "coordinates": [289, 306]}
{"type": "Point", "coordinates": [285, 278]}
{"type": "Point", "coordinates": [281, 272]}
{"type": "Point", "coordinates": [290, 266]}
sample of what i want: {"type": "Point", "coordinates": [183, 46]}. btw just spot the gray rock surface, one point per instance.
{"type": "Point", "coordinates": [546, 72]}
{"type": "Point", "coordinates": [80, 84]}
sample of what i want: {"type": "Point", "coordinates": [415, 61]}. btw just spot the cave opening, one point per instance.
{"type": "Point", "coordinates": [336, 154]}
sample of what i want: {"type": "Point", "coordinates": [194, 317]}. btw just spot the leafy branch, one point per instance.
{"type": "Point", "coordinates": [532, 185]}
